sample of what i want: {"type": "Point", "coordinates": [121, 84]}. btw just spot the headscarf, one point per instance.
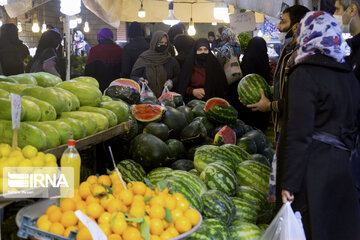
{"type": "Point", "coordinates": [104, 34]}
{"type": "Point", "coordinates": [229, 39]}
{"type": "Point", "coordinates": [216, 84]}
{"type": "Point", "coordinates": [135, 30]}
{"type": "Point", "coordinates": [177, 29]}
{"type": "Point", "coordinates": [9, 32]}
{"type": "Point", "coordinates": [183, 45]}
{"type": "Point", "coordinates": [80, 35]}
{"type": "Point", "coordinates": [319, 33]}
{"type": "Point", "coordinates": [49, 39]}
{"type": "Point", "coordinates": [153, 62]}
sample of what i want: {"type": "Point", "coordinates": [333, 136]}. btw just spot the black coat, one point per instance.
{"type": "Point", "coordinates": [322, 95]}
{"type": "Point", "coordinates": [131, 52]}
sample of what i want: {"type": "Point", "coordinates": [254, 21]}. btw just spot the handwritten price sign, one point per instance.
{"type": "Point", "coordinates": [243, 22]}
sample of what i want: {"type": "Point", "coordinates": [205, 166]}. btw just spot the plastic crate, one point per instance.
{"type": "Point", "coordinates": [28, 229]}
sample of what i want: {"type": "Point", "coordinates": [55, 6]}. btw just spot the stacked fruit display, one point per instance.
{"type": "Point", "coordinates": [54, 111]}
{"type": "Point", "coordinates": [27, 157]}
{"type": "Point", "coordinates": [138, 212]}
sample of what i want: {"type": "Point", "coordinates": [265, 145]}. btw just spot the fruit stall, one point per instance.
{"type": "Point", "coordinates": [184, 171]}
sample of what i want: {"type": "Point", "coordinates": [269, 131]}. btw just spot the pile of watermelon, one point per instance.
{"type": "Point", "coordinates": [202, 150]}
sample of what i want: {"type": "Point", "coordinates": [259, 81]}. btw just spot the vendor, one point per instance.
{"type": "Point", "coordinates": [80, 46]}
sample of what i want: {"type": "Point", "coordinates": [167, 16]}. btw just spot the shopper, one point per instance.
{"type": "Point", "coordinates": [80, 46]}
{"type": "Point", "coordinates": [318, 131]}
{"type": "Point", "coordinates": [104, 62]}
{"type": "Point", "coordinates": [156, 65]}
{"type": "Point", "coordinates": [255, 60]}
{"type": "Point", "coordinates": [174, 31]}
{"type": "Point", "coordinates": [228, 46]}
{"type": "Point", "coordinates": [48, 56]}
{"type": "Point", "coordinates": [183, 45]}
{"type": "Point", "coordinates": [202, 77]}
{"type": "Point", "coordinates": [212, 40]}
{"type": "Point", "coordinates": [136, 46]}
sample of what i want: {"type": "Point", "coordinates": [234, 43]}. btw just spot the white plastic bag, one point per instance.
{"type": "Point", "coordinates": [145, 90]}
{"type": "Point", "coordinates": [165, 90]}
{"type": "Point", "coordinates": [285, 226]}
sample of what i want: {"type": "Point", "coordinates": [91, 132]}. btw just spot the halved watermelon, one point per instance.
{"type": "Point", "coordinates": [173, 96]}
{"type": "Point", "coordinates": [126, 82]}
{"type": "Point", "coordinates": [225, 136]}
{"type": "Point", "coordinates": [147, 112]}
{"type": "Point", "coordinates": [215, 101]}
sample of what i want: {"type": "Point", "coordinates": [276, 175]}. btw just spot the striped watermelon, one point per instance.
{"type": "Point", "coordinates": [176, 185]}
{"type": "Point", "coordinates": [194, 172]}
{"type": "Point", "coordinates": [240, 230]}
{"type": "Point", "coordinates": [254, 174]}
{"type": "Point", "coordinates": [261, 159]}
{"type": "Point", "coordinates": [218, 205]}
{"type": "Point", "coordinates": [263, 226]}
{"type": "Point", "coordinates": [222, 114]}
{"type": "Point", "coordinates": [158, 174]}
{"type": "Point", "coordinates": [207, 154]}
{"type": "Point", "coordinates": [215, 101]}
{"type": "Point", "coordinates": [206, 233]}
{"type": "Point", "coordinates": [239, 155]}
{"type": "Point", "coordinates": [225, 136]}
{"type": "Point", "coordinates": [253, 196]}
{"type": "Point", "coordinates": [245, 211]}
{"type": "Point", "coordinates": [189, 179]}
{"type": "Point", "coordinates": [218, 176]}
{"type": "Point", "coordinates": [131, 171]}
{"type": "Point", "coordinates": [249, 89]}
{"type": "Point", "coordinates": [216, 224]}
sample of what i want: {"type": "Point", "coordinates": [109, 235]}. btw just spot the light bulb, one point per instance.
{"type": "Point", "coordinates": [226, 18]}
{"type": "Point", "coordinates": [78, 19]}
{"type": "Point", "coordinates": [214, 23]}
{"type": "Point", "coordinates": [19, 26]}
{"type": "Point", "coordinates": [171, 19]}
{"type": "Point", "coordinates": [141, 13]}
{"type": "Point", "coordinates": [1, 23]}
{"type": "Point", "coordinates": [191, 30]}
{"type": "Point", "coordinates": [43, 27]}
{"type": "Point", "coordinates": [220, 10]}
{"type": "Point", "coordinates": [3, 2]}
{"type": "Point", "coordinates": [73, 23]}
{"type": "Point", "coordinates": [86, 26]}
{"type": "Point", "coordinates": [35, 27]}
{"type": "Point", "coordinates": [260, 33]}
{"type": "Point", "coordinates": [70, 7]}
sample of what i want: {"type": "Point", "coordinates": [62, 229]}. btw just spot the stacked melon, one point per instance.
{"type": "Point", "coordinates": [54, 111]}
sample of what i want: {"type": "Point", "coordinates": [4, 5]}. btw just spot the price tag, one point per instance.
{"type": "Point", "coordinates": [94, 229]}
{"type": "Point", "coordinates": [15, 110]}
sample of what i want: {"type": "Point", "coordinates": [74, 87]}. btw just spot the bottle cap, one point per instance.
{"type": "Point", "coordinates": [71, 142]}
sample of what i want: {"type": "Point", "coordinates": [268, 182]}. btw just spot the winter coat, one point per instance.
{"type": "Point", "coordinates": [131, 52]}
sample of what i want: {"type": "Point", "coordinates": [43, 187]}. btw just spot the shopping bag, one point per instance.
{"type": "Point", "coordinates": [232, 67]}
{"type": "Point", "coordinates": [145, 91]}
{"type": "Point", "coordinates": [165, 90]}
{"type": "Point", "coordinates": [285, 226]}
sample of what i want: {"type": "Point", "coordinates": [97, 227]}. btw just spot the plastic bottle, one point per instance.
{"type": "Point", "coordinates": [71, 158]}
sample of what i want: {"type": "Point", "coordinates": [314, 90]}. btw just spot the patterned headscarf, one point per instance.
{"type": "Point", "coordinates": [229, 42]}
{"type": "Point", "coordinates": [319, 33]}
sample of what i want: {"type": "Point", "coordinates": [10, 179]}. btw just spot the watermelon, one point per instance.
{"type": "Point", "coordinates": [187, 112]}
{"type": "Point", "coordinates": [261, 159]}
{"type": "Point", "coordinates": [239, 128]}
{"type": "Point", "coordinates": [127, 94]}
{"type": "Point", "coordinates": [159, 130]}
{"type": "Point", "coordinates": [244, 211]}
{"type": "Point", "coordinates": [191, 152]}
{"type": "Point", "coordinates": [206, 233]}
{"type": "Point", "coordinates": [146, 112]}
{"type": "Point", "coordinates": [183, 164]}
{"type": "Point", "coordinates": [131, 171]}
{"type": "Point", "coordinates": [249, 89]}
{"type": "Point", "coordinates": [149, 100]}
{"type": "Point", "coordinates": [130, 129]}
{"type": "Point", "coordinates": [198, 110]}
{"type": "Point", "coordinates": [189, 179]}
{"type": "Point", "coordinates": [207, 124]}
{"type": "Point", "coordinates": [158, 174]}
{"type": "Point", "coordinates": [253, 174]}
{"type": "Point", "coordinates": [177, 185]}
{"type": "Point", "coordinates": [218, 176]}
{"type": "Point", "coordinates": [167, 103]}
{"type": "Point", "coordinates": [194, 133]}
{"type": "Point", "coordinates": [247, 144]}
{"type": "Point", "coordinates": [222, 114]}
{"type": "Point", "coordinates": [225, 136]}
{"type": "Point", "coordinates": [195, 172]}
{"type": "Point", "coordinates": [238, 154]}
{"type": "Point", "coordinates": [259, 139]}
{"type": "Point", "coordinates": [216, 224]}
{"type": "Point", "coordinates": [126, 83]}
{"type": "Point", "coordinates": [176, 148]}
{"type": "Point", "coordinates": [215, 101]}
{"type": "Point", "coordinates": [218, 205]}
{"type": "Point", "coordinates": [253, 196]}
{"type": "Point", "coordinates": [269, 153]}
{"type": "Point", "coordinates": [240, 230]}
{"type": "Point", "coordinates": [175, 121]}
{"type": "Point", "coordinates": [195, 102]}
{"type": "Point", "coordinates": [173, 96]}
{"type": "Point", "coordinates": [207, 154]}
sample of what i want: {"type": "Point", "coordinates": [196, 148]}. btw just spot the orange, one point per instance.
{"type": "Point", "coordinates": [173, 231]}
{"type": "Point", "coordinates": [114, 178]}
{"type": "Point", "coordinates": [57, 228]}
{"type": "Point", "coordinates": [148, 192]}
{"type": "Point", "coordinates": [193, 216]}
{"type": "Point", "coordinates": [139, 188]}
{"type": "Point", "coordinates": [137, 209]}
{"type": "Point", "coordinates": [117, 188]}
{"type": "Point", "coordinates": [69, 229]}
{"type": "Point", "coordinates": [114, 237]}
{"type": "Point", "coordinates": [92, 179]}
{"type": "Point", "coordinates": [83, 234]}
{"type": "Point", "coordinates": [157, 200]}
{"type": "Point", "coordinates": [182, 224]}
{"type": "Point", "coordinates": [51, 208]}
{"type": "Point", "coordinates": [166, 236]}
{"type": "Point", "coordinates": [41, 219]}
{"type": "Point", "coordinates": [68, 219]}
{"type": "Point", "coordinates": [139, 198]}
{"type": "Point", "coordinates": [98, 190]}
{"type": "Point", "coordinates": [92, 199]}
{"type": "Point", "coordinates": [119, 225]}
{"type": "Point", "coordinates": [154, 237]}
{"type": "Point", "coordinates": [147, 220]}
{"type": "Point", "coordinates": [178, 196]}
{"type": "Point", "coordinates": [170, 202]}
{"type": "Point", "coordinates": [104, 201]}
{"type": "Point", "coordinates": [157, 211]}
{"type": "Point", "coordinates": [84, 190]}
{"type": "Point", "coordinates": [183, 204]}
{"type": "Point", "coordinates": [131, 233]}
{"type": "Point", "coordinates": [104, 179]}
{"type": "Point", "coordinates": [105, 227]}
{"type": "Point", "coordinates": [156, 226]}
{"type": "Point", "coordinates": [55, 216]}
{"type": "Point", "coordinates": [81, 205]}
{"type": "Point", "coordinates": [81, 225]}
{"type": "Point", "coordinates": [67, 204]}
{"type": "Point", "coordinates": [44, 225]}
{"type": "Point", "coordinates": [126, 196]}
{"type": "Point", "coordinates": [165, 224]}
{"type": "Point", "coordinates": [176, 213]}
{"type": "Point", "coordinates": [94, 210]}
{"type": "Point", "coordinates": [114, 205]}
{"type": "Point", "coordinates": [105, 217]}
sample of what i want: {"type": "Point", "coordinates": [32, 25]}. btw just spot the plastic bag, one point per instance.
{"type": "Point", "coordinates": [145, 91]}
{"type": "Point", "coordinates": [165, 90]}
{"type": "Point", "coordinates": [285, 226]}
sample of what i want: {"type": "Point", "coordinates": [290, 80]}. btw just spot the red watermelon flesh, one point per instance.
{"type": "Point", "coordinates": [213, 102]}
{"type": "Point", "coordinates": [173, 96]}
{"type": "Point", "coordinates": [225, 136]}
{"type": "Point", "coordinates": [147, 112]}
{"type": "Point", "coordinates": [126, 82]}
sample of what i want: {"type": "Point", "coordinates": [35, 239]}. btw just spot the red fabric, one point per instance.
{"type": "Point", "coordinates": [105, 52]}
{"type": "Point", "coordinates": [198, 80]}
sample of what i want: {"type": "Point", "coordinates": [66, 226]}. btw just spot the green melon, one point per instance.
{"type": "Point", "coordinates": [63, 129]}
{"type": "Point", "coordinates": [32, 110]}
{"type": "Point", "coordinates": [4, 94]}
{"type": "Point", "coordinates": [75, 103]}
{"type": "Point", "coordinates": [110, 115]}
{"type": "Point", "coordinates": [25, 78]}
{"type": "Point", "coordinates": [45, 79]}
{"type": "Point", "coordinates": [88, 80]}
{"type": "Point", "coordinates": [48, 112]}
{"type": "Point", "coordinates": [77, 126]}
{"type": "Point", "coordinates": [120, 108]}
{"type": "Point", "coordinates": [5, 109]}
{"type": "Point", "coordinates": [53, 138]}
{"type": "Point", "coordinates": [88, 121]}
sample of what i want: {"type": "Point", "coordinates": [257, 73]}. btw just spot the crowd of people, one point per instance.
{"type": "Point", "coordinates": [315, 105]}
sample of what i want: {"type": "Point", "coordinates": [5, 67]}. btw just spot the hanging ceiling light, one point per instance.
{"type": "Point", "coordinates": [191, 30]}
{"type": "Point", "coordinates": [35, 27]}
{"type": "Point", "coordinates": [86, 27]}
{"type": "Point", "coordinates": [70, 7]}
{"type": "Point", "coordinates": [220, 10]}
{"type": "Point", "coordinates": [141, 12]}
{"type": "Point", "coordinates": [73, 22]}
{"type": "Point", "coordinates": [214, 23]}
{"type": "Point", "coordinates": [43, 27]}
{"type": "Point", "coordinates": [171, 19]}
{"type": "Point", "coordinates": [19, 27]}
{"type": "Point", "coordinates": [3, 2]}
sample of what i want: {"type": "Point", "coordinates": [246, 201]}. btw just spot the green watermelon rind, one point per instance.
{"type": "Point", "coordinates": [190, 179]}
{"type": "Point", "coordinates": [245, 211]}
{"type": "Point", "coordinates": [131, 171]}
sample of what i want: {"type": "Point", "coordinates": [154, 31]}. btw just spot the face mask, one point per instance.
{"type": "Point", "coordinates": [201, 57]}
{"type": "Point", "coordinates": [160, 48]}
{"type": "Point", "coordinates": [344, 27]}
{"type": "Point", "coordinates": [286, 37]}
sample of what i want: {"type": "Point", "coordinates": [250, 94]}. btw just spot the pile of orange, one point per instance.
{"type": "Point", "coordinates": [104, 200]}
